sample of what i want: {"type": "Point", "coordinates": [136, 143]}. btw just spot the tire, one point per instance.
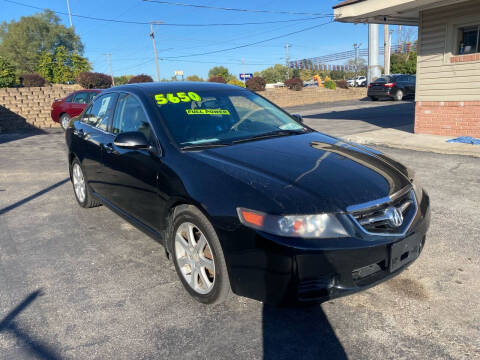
{"type": "Point", "coordinates": [81, 190]}
{"type": "Point", "coordinates": [64, 121]}
{"type": "Point", "coordinates": [373, 98]}
{"type": "Point", "coordinates": [398, 96]}
{"type": "Point", "coordinates": [200, 264]}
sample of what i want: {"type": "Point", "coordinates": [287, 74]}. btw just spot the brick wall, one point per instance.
{"type": "Point", "coordinates": [284, 97]}
{"type": "Point", "coordinates": [448, 118]}
{"type": "Point", "coordinates": [30, 107]}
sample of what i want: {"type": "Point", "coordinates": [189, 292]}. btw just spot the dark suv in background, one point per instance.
{"type": "Point", "coordinates": [72, 105]}
{"type": "Point", "coordinates": [396, 87]}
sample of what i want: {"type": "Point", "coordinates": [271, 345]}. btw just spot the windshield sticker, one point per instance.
{"type": "Point", "coordinates": [176, 98]}
{"type": "Point", "coordinates": [207, 112]}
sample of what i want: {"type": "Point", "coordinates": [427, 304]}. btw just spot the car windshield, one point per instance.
{"type": "Point", "coordinates": [215, 118]}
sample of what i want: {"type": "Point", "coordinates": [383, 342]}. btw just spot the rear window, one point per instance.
{"type": "Point", "coordinates": [382, 80]}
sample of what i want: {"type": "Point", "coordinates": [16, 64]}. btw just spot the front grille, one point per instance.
{"type": "Point", "coordinates": [391, 216]}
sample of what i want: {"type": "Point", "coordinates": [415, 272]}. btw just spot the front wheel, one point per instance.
{"type": "Point", "coordinates": [64, 121]}
{"type": "Point", "coordinates": [373, 98]}
{"type": "Point", "coordinates": [198, 256]}
{"type": "Point", "coordinates": [80, 187]}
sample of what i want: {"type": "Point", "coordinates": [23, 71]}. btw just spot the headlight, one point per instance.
{"type": "Point", "coordinates": [305, 226]}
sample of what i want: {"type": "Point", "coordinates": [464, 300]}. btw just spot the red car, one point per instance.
{"type": "Point", "coordinates": [72, 105]}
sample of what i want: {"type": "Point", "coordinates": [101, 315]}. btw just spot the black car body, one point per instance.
{"type": "Point", "coordinates": [396, 87]}
{"type": "Point", "coordinates": [243, 185]}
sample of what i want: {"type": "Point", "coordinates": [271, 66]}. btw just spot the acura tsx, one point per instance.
{"type": "Point", "coordinates": [244, 197]}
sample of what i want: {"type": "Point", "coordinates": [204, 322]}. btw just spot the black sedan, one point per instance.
{"type": "Point", "coordinates": [396, 87]}
{"type": "Point", "coordinates": [244, 197]}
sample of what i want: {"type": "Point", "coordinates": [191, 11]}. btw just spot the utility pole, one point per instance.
{"type": "Point", "coordinates": [356, 47]}
{"type": "Point", "coordinates": [110, 66]}
{"type": "Point", "coordinates": [399, 38]}
{"type": "Point", "coordinates": [386, 50]}
{"type": "Point", "coordinates": [152, 35]}
{"type": "Point", "coordinates": [69, 13]}
{"type": "Point", "coordinates": [287, 75]}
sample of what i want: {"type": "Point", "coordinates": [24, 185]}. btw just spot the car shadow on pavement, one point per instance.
{"type": "Point", "coordinates": [398, 116]}
{"type": "Point", "coordinates": [299, 333]}
{"type": "Point", "coordinates": [35, 347]}
{"type": "Point", "coordinates": [33, 196]}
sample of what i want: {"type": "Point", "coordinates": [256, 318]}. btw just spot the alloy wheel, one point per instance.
{"type": "Point", "coordinates": [65, 120]}
{"type": "Point", "coordinates": [195, 258]}
{"type": "Point", "coordinates": [79, 182]}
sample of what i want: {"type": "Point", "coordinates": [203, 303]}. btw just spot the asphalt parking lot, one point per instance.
{"type": "Point", "coordinates": [84, 284]}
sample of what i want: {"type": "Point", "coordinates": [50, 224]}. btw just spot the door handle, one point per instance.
{"type": "Point", "coordinates": [108, 147]}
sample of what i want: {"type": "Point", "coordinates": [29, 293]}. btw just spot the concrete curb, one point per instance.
{"type": "Point", "coordinates": [401, 139]}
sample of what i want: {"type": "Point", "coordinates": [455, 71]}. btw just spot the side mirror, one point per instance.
{"type": "Point", "coordinates": [298, 117]}
{"type": "Point", "coordinates": [131, 140]}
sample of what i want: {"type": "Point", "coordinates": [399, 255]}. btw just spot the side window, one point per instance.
{"type": "Point", "coordinates": [81, 98]}
{"type": "Point", "coordinates": [90, 96]}
{"type": "Point", "coordinates": [69, 98]}
{"type": "Point", "coordinates": [129, 116]}
{"type": "Point", "coordinates": [100, 112]}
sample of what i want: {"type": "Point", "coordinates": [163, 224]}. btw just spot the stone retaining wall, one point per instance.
{"type": "Point", "coordinates": [30, 106]}
{"type": "Point", "coordinates": [284, 97]}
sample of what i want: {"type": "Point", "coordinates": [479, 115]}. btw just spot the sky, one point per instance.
{"type": "Point", "coordinates": [178, 47]}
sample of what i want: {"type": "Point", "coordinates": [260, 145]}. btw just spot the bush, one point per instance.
{"type": "Point", "coordinates": [330, 84]}
{"type": "Point", "coordinates": [142, 78]}
{"type": "Point", "coordinates": [236, 83]}
{"type": "Point", "coordinates": [256, 83]}
{"type": "Point", "coordinates": [217, 79]}
{"type": "Point", "coordinates": [294, 84]}
{"type": "Point", "coordinates": [342, 84]}
{"type": "Point", "coordinates": [32, 80]}
{"type": "Point", "coordinates": [7, 73]}
{"type": "Point", "coordinates": [92, 80]}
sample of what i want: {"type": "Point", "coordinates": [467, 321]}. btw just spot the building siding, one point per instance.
{"type": "Point", "coordinates": [437, 78]}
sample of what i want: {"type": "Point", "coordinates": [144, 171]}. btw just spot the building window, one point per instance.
{"type": "Point", "coordinates": [469, 38]}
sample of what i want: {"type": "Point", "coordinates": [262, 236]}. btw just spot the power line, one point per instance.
{"type": "Point", "coordinates": [234, 9]}
{"type": "Point", "coordinates": [132, 22]}
{"type": "Point", "coordinates": [250, 44]}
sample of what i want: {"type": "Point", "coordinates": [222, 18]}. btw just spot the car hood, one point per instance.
{"type": "Point", "coordinates": [306, 173]}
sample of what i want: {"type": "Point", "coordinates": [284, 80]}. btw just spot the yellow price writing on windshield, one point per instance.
{"type": "Point", "coordinates": [176, 98]}
{"type": "Point", "coordinates": [207, 112]}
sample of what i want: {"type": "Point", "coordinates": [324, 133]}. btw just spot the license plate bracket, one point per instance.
{"type": "Point", "coordinates": [403, 252]}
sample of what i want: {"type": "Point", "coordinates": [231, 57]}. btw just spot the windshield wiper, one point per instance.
{"type": "Point", "coordinates": [203, 146]}
{"type": "Point", "coordinates": [271, 134]}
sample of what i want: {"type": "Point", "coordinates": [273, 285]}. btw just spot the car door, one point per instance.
{"type": "Point", "coordinates": [79, 102]}
{"type": "Point", "coordinates": [131, 174]}
{"type": "Point", "coordinates": [413, 83]}
{"type": "Point", "coordinates": [91, 134]}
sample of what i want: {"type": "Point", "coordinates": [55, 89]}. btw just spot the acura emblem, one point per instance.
{"type": "Point", "coordinates": [394, 216]}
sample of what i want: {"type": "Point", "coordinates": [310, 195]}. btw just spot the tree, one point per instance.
{"type": "Point", "coordinates": [401, 63]}
{"type": "Point", "coordinates": [219, 71]}
{"type": "Point", "coordinates": [122, 79]}
{"type": "Point", "coordinates": [194, 78]}
{"type": "Point", "coordinates": [91, 80]}
{"type": "Point", "coordinates": [142, 78]}
{"type": "Point", "coordinates": [217, 79]}
{"type": "Point", "coordinates": [61, 66]}
{"type": "Point", "coordinates": [276, 73]}
{"type": "Point", "coordinates": [236, 82]}
{"type": "Point", "coordinates": [21, 42]}
{"type": "Point", "coordinates": [7, 73]}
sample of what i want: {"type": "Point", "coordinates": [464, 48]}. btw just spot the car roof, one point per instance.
{"type": "Point", "coordinates": [152, 88]}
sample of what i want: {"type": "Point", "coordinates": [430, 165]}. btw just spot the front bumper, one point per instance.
{"type": "Point", "coordinates": [267, 269]}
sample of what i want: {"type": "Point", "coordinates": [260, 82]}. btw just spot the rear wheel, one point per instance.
{"type": "Point", "coordinates": [80, 187]}
{"type": "Point", "coordinates": [198, 256]}
{"type": "Point", "coordinates": [64, 121]}
{"type": "Point", "coordinates": [398, 95]}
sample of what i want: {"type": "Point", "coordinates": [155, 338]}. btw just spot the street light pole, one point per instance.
{"type": "Point", "coordinates": [152, 35]}
{"type": "Point", "coordinates": [287, 76]}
